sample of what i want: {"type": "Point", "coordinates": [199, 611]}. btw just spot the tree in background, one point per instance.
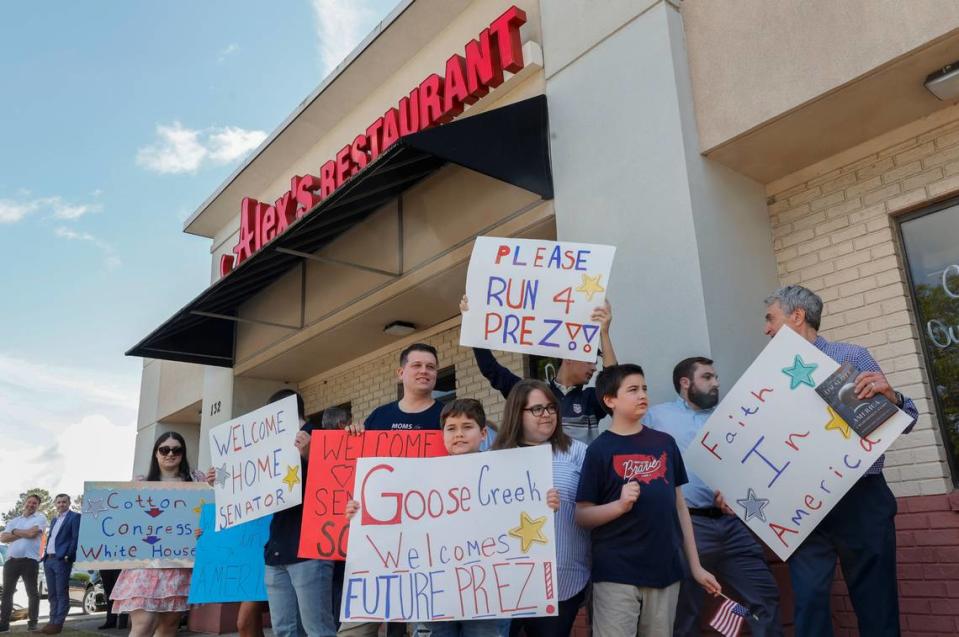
{"type": "Point", "coordinates": [46, 504]}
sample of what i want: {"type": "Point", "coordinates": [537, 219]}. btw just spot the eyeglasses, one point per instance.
{"type": "Point", "coordinates": [538, 410]}
{"type": "Point", "coordinates": [170, 451]}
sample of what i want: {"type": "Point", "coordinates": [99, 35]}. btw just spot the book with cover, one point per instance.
{"type": "Point", "coordinates": [862, 416]}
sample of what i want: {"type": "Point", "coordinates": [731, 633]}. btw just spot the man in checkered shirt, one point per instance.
{"type": "Point", "coordinates": [860, 530]}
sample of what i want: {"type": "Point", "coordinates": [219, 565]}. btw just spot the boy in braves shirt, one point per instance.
{"type": "Point", "coordinates": [629, 496]}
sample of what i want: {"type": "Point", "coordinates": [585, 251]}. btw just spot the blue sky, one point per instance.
{"type": "Point", "coordinates": [117, 120]}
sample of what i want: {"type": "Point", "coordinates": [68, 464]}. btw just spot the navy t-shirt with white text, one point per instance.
{"type": "Point", "coordinates": [390, 417]}
{"type": "Point", "coordinates": [642, 547]}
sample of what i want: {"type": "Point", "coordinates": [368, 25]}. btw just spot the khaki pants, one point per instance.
{"type": "Point", "coordinates": [621, 610]}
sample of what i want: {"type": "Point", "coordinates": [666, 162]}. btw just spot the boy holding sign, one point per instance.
{"type": "Point", "coordinates": [629, 495]}
{"type": "Point", "coordinates": [464, 430]}
{"type": "Point", "coordinates": [580, 407]}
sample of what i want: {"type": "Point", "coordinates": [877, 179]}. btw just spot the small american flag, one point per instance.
{"type": "Point", "coordinates": [729, 618]}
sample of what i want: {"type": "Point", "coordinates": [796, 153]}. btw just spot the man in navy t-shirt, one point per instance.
{"type": "Point", "coordinates": [417, 410]}
{"type": "Point", "coordinates": [629, 495]}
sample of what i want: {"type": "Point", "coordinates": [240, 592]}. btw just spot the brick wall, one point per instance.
{"type": "Point", "coordinates": [372, 383]}
{"type": "Point", "coordinates": [835, 234]}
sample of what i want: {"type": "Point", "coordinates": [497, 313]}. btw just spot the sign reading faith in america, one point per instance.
{"type": "Point", "coordinates": [780, 455]}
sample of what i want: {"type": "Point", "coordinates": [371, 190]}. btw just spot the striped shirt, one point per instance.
{"type": "Point", "coordinates": [864, 362]}
{"type": "Point", "coordinates": [572, 541]}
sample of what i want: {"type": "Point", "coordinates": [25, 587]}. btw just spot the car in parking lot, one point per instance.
{"type": "Point", "coordinates": [86, 591]}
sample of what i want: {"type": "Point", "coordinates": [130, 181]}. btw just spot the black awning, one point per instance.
{"type": "Point", "coordinates": [509, 143]}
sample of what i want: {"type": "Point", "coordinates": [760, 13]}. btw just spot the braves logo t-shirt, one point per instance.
{"type": "Point", "coordinates": [642, 547]}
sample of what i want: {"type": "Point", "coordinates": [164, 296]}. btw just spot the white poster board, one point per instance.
{"type": "Point", "coordinates": [780, 457]}
{"type": "Point", "coordinates": [536, 297]}
{"type": "Point", "coordinates": [452, 538]}
{"type": "Point", "coordinates": [257, 465]}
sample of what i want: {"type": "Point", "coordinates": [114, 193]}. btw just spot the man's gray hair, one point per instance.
{"type": "Point", "coordinates": [796, 297]}
{"type": "Point", "coordinates": [335, 418]}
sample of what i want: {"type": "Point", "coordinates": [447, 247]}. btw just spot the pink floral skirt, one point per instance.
{"type": "Point", "coordinates": [158, 590]}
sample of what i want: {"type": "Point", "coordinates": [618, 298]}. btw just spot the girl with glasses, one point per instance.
{"type": "Point", "coordinates": [532, 417]}
{"type": "Point", "coordinates": [156, 598]}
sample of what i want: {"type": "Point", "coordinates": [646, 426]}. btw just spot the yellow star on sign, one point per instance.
{"type": "Point", "coordinates": [591, 286]}
{"type": "Point", "coordinates": [529, 530]}
{"type": "Point", "coordinates": [292, 476]}
{"type": "Point", "coordinates": [836, 422]}
{"type": "Point", "coordinates": [199, 507]}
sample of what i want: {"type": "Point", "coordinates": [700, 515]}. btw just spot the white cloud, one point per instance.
{"type": "Point", "coordinates": [340, 25]}
{"type": "Point", "coordinates": [63, 425]}
{"type": "Point", "coordinates": [111, 260]}
{"type": "Point", "coordinates": [231, 143]}
{"type": "Point", "coordinates": [178, 150]}
{"type": "Point", "coordinates": [12, 211]}
{"type": "Point", "coordinates": [92, 448]}
{"type": "Point", "coordinates": [185, 150]}
{"type": "Point", "coordinates": [227, 51]}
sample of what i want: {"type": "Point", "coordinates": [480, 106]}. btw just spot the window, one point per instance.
{"type": "Point", "coordinates": [931, 242]}
{"type": "Point", "coordinates": [542, 368]}
{"type": "Point", "coordinates": [445, 390]}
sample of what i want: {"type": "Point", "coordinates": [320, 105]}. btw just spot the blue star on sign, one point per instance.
{"type": "Point", "coordinates": [753, 506]}
{"type": "Point", "coordinates": [800, 373]}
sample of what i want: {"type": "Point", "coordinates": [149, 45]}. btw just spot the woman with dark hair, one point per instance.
{"type": "Point", "coordinates": [156, 598]}
{"type": "Point", "coordinates": [532, 417]}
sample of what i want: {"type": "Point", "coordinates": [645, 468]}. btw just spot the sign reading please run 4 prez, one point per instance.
{"type": "Point", "coordinates": [536, 297]}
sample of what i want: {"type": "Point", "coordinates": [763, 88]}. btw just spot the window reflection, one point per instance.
{"type": "Point", "coordinates": [932, 251]}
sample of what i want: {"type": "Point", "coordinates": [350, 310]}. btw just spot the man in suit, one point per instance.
{"type": "Point", "coordinates": [58, 559]}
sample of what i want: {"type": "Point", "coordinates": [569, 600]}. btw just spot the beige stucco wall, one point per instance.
{"type": "Point", "coordinates": [754, 60]}
{"type": "Point", "coordinates": [834, 232]}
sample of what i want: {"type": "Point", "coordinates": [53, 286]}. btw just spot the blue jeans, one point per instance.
{"type": "Point", "coordinates": [860, 531]}
{"type": "Point", "coordinates": [300, 597]}
{"type": "Point", "coordinates": [728, 550]}
{"type": "Point", "coordinates": [57, 573]}
{"type": "Point", "coordinates": [473, 628]}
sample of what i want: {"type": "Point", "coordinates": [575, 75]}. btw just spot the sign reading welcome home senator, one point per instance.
{"type": "Point", "coordinates": [779, 454]}
{"type": "Point", "coordinates": [451, 538]}
{"type": "Point", "coordinates": [257, 464]}
{"type": "Point", "coordinates": [536, 297]}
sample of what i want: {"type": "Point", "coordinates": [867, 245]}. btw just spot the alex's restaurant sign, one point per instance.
{"type": "Point", "coordinates": [436, 100]}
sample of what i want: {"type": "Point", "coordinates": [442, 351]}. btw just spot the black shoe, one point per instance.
{"type": "Point", "coordinates": [32, 625]}
{"type": "Point", "coordinates": [123, 622]}
{"type": "Point", "coordinates": [5, 628]}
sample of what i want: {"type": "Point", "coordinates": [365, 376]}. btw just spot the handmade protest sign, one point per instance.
{"type": "Point", "coordinates": [229, 563]}
{"type": "Point", "coordinates": [257, 465]}
{"type": "Point", "coordinates": [455, 538]}
{"type": "Point", "coordinates": [329, 486]}
{"type": "Point", "coordinates": [536, 297]}
{"type": "Point", "coordinates": [780, 455]}
{"type": "Point", "coordinates": [139, 524]}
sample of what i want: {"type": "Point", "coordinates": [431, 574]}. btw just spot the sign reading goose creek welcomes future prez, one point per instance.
{"type": "Point", "coordinates": [256, 463]}
{"type": "Point", "coordinates": [452, 538]}
{"type": "Point", "coordinates": [436, 100]}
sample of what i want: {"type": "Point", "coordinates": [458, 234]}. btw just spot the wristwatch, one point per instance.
{"type": "Point", "coordinates": [900, 399]}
